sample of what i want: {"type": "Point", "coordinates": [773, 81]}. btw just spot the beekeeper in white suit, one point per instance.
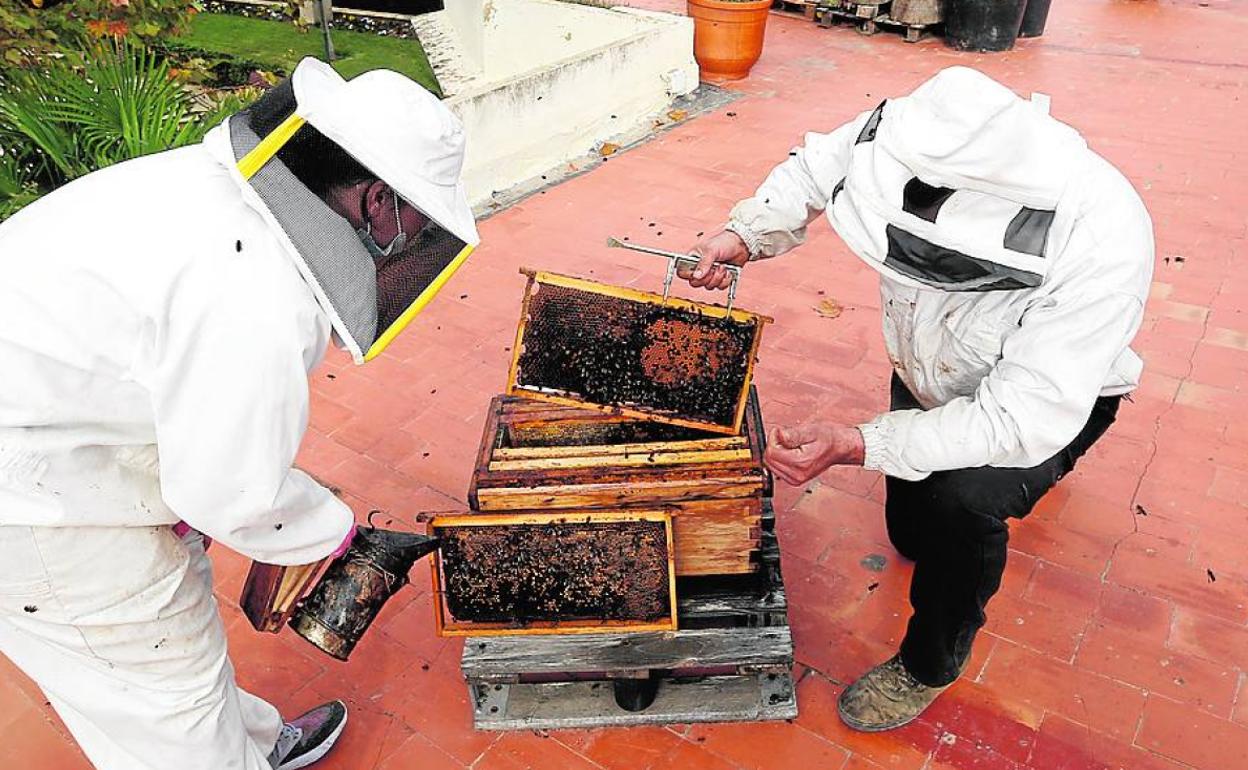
{"type": "Point", "coordinates": [1014, 265]}
{"type": "Point", "coordinates": [158, 320]}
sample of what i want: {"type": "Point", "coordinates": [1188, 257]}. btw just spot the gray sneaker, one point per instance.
{"type": "Point", "coordinates": [309, 738]}
{"type": "Point", "coordinates": [884, 698]}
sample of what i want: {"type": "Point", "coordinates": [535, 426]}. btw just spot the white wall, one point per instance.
{"type": "Point", "coordinates": [552, 79]}
{"type": "Point", "coordinates": [504, 38]}
{"type": "Point", "coordinates": [468, 19]}
{"type": "Point", "coordinates": [521, 35]}
{"type": "Point", "coordinates": [527, 124]}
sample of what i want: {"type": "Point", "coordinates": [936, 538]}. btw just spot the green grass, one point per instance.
{"type": "Point", "coordinates": [279, 46]}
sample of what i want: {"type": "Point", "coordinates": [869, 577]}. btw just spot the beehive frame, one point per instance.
{"type": "Point", "coordinates": [445, 625]}
{"type": "Point", "coordinates": [540, 278]}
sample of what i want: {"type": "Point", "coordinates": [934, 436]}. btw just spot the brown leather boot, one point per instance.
{"type": "Point", "coordinates": [885, 697]}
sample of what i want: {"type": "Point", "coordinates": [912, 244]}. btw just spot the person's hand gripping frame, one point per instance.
{"type": "Point", "coordinates": [714, 257]}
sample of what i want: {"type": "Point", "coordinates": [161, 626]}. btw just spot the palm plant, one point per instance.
{"type": "Point", "coordinates": [76, 114]}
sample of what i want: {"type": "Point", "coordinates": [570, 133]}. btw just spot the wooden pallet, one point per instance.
{"type": "Point", "coordinates": [804, 8]}
{"type": "Point", "coordinates": [869, 19]}
{"type": "Point", "coordinates": [911, 33]}
{"type": "Point", "coordinates": [861, 15]}
{"type": "Point", "coordinates": [731, 661]}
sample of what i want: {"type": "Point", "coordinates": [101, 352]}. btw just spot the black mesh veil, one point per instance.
{"type": "Point", "coordinates": [292, 152]}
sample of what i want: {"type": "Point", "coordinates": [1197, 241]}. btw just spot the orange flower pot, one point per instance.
{"type": "Point", "coordinates": [728, 36]}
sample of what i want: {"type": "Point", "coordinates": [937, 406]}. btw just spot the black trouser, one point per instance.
{"type": "Point", "coordinates": [952, 524]}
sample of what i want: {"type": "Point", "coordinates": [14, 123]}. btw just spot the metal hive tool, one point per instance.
{"type": "Point", "coordinates": [639, 354]}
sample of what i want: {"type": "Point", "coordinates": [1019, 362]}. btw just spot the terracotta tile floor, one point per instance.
{"type": "Point", "coordinates": [1119, 639]}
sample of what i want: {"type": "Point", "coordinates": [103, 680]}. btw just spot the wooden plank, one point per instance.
{"type": "Point", "coordinates": [568, 705]}
{"type": "Point", "coordinates": [609, 451]}
{"type": "Point", "coordinates": [622, 461]}
{"type": "Point", "coordinates": [521, 410]}
{"type": "Point", "coordinates": [271, 591]}
{"type": "Point", "coordinates": [501, 658]}
{"type": "Point", "coordinates": [574, 495]}
{"type": "Point", "coordinates": [734, 472]}
{"type": "Point", "coordinates": [730, 606]}
{"type": "Point", "coordinates": [716, 537]}
{"type": "Point", "coordinates": [758, 599]}
{"type": "Point", "coordinates": [489, 441]}
{"type": "Point", "coordinates": [751, 362]}
{"type": "Point", "coordinates": [517, 347]}
{"type": "Point", "coordinates": [756, 435]}
{"type": "Point", "coordinates": [556, 397]}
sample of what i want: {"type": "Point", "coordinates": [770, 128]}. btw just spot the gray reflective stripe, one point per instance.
{"type": "Point", "coordinates": [837, 190]}
{"type": "Point", "coordinates": [873, 124]}
{"type": "Point", "coordinates": [950, 270]}
{"type": "Point", "coordinates": [1029, 231]}
{"type": "Point", "coordinates": [325, 241]}
{"type": "Point", "coordinates": [923, 200]}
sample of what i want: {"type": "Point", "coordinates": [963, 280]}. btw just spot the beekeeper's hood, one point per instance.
{"type": "Point", "coordinates": [404, 136]}
{"type": "Point", "coordinates": [957, 185]}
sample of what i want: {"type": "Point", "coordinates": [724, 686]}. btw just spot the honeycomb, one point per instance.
{"type": "Point", "coordinates": [611, 351]}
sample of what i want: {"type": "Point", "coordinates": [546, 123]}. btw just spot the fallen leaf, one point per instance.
{"type": "Point", "coordinates": [829, 308]}
{"type": "Point", "coordinates": [608, 148]}
{"type": "Point", "coordinates": [678, 114]}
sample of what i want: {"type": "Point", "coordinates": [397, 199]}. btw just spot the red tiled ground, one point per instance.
{"type": "Point", "coordinates": [1119, 639]}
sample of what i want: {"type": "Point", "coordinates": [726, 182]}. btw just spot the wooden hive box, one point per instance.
{"type": "Point", "coordinates": [537, 456]}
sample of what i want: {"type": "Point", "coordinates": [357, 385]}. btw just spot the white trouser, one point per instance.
{"type": "Point", "coordinates": [119, 627]}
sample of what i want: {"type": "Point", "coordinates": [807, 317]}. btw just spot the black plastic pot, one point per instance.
{"type": "Point", "coordinates": [1034, 17]}
{"type": "Point", "coordinates": [983, 25]}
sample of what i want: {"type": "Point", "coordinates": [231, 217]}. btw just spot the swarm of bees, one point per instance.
{"type": "Point", "coordinates": [620, 352]}
{"type": "Point", "coordinates": [557, 572]}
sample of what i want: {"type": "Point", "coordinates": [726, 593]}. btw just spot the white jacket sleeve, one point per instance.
{"type": "Point", "coordinates": [230, 394]}
{"type": "Point", "coordinates": [795, 192]}
{"type": "Point", "coordinates": [1039, 395]}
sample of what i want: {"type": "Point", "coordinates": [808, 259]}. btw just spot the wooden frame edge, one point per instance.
{"type": "Point", "coordinates": [623, 292]}
{"type": "Point", "coordinates": [636, 414]}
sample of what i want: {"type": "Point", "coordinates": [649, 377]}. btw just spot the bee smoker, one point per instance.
{"type": "Point", "coordinates": [356, 586]}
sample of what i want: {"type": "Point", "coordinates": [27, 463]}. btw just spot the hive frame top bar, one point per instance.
{"type": "Point", "coordinates": [596, 287]}
{"type": "Point", "coordinates": [623, 292]}
{"type": "Point", "coordinates": [674, 259]}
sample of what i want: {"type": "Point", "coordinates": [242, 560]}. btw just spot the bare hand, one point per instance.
{"type": "Point", "coordinates": [799, 454]}
{"type": "Point", "coordinates": [723, 248]}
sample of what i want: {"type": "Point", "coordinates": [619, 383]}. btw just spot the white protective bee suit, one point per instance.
{"type": "Point", "coordinates": [158, 320]}
{"type": "Point", "coordinates": [1014, 263]}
